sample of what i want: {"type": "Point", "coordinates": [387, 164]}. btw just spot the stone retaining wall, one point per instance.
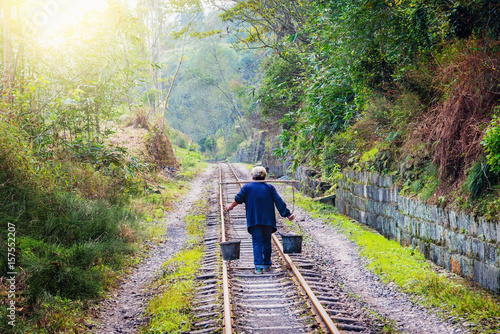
{"type": "Point", "coordinates": [310, 182]}
{"type": "Point", "coordinates": [466, 245]}
{"type": "Point", "coordinates": [251, 151]}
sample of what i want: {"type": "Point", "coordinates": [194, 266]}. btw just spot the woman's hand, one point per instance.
{"type": "Point", "coordinates": [231, 206]}
{"type": "Point", "coordinates": [291, 217]}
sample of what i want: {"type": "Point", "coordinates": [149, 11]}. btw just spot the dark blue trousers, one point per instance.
{"type": "Point", "coordinates": [261, 241]}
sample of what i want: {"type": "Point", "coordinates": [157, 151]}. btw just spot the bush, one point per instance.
{"type": "Point", "coordinates": [159, 147]}
{"type": "Point", "coordinates": [62, 252]}
{"type": "Point", "coordinates": [76, 272]}
{"type": "Point", "coordinates": [339, 148]}
{"type": "Point", "coordinates": [491, 143]}
{"type": "Point", "coordinates": [181, 142]}
{"type": "Point", "coordinates": [66, 243]}
{"type": "Point", "coordinates": [141, 118]}
{"type": "Point", "coordinates": [469, 72]}
{"type": "Point", "coordinates": [231, 144]}
{"type": "Point", "coordinates": [122, 169]}
{"type": "Point", "coordinates": [480, 177]}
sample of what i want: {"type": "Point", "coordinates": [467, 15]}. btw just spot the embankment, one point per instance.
{"type": "Point", "coordinates": [461, 243]}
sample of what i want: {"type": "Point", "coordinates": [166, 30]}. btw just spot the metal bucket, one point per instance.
{"type": "Point", "coordinates": [230, 250]}
{"type": "Point", "coordinates": [292, 243]}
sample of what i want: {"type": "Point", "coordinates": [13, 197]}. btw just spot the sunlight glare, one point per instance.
{"type": "Point", "coordinates": [71, 12]}
{"type": "Point", "coordinates": [56, 16]}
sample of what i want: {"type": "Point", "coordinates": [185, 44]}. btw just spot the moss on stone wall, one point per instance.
{"type": "Point", "coordinates": [459, 242]}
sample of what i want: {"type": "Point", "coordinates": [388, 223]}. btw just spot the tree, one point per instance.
{"type": "Point", "coordinates": [267, 24]}
{"type": "Point", "coordinates": [7, 47]}
{"type": "Point", "coordinates": [164, 20]}
{"type": "Point", "coordinates": [211, 88]}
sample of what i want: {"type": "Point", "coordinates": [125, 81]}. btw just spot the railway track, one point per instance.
{"type": "Point", "coordinates": [294, 297]}
{"type": "Point", "coordinates": [291, 298]}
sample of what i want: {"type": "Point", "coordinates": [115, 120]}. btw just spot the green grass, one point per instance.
{"type": "Point", "coordinates": [369, 155]}
{"type": "Point", "coordinates": [415, 275]}
{"type": "Point", "coordinates": [69, 250]}
{"type": "Point", "coordinates": [77, 230]}
{"type": "Point", "coordinates": [191, 162]}
{"type": "Point", "coordinates": [248, 166]}
{"type": "Point", "coordinates": [153, 207]}
{"type": "Point", "coordinates": [170, 311]}
{"type": "Point", "coordinates": [54, 314]}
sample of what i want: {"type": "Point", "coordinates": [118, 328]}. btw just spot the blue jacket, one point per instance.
{"type": "Point", "coordinates": [260, 199]}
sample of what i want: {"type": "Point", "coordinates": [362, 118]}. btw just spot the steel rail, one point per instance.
{"type": "Point", "coordinates": [228, 326]}
{"type": "Point", "coordinates": [314, 300]}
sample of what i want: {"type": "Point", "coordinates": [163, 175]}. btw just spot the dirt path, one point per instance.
{"type": "Point", "coordinates": [342, 263]}
{"type": "Point", "coordinates": [124, 312]}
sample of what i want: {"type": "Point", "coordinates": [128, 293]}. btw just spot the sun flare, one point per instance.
{"type": "Point", "coordinates": [55, 15]}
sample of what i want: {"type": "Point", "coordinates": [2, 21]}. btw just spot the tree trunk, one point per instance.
{"type": "Point", "coordinates": [173, 82]}
{"type": "Point", "coordinates": [154, 51]}
{"type": "Point", "coordinates": [228, 94]}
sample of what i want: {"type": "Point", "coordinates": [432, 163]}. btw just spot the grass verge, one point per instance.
{"type": "Point", "coordinates": [409, 270]}
{"type": "Point", "coordinates": [191, 162]}
{"type": "Point", "coordinates": [170, 310]}
{"type": "Point", "coordinates": [71, 249]}
{"type": "Point", "coordinates": [154, 205]}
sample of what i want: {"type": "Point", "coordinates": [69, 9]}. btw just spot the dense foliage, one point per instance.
{"type": "Point", "coordinates": [387, 85]}
{"type": "Point", "coordinates": [399, 86]}
{"type": "Point", "coordinates": [70, 188]}
{"type": "Point", "coordinates": [213, 87]}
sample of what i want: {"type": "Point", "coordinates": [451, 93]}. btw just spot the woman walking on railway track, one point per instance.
{"type": "Point", "coordinates": [260, 199]}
